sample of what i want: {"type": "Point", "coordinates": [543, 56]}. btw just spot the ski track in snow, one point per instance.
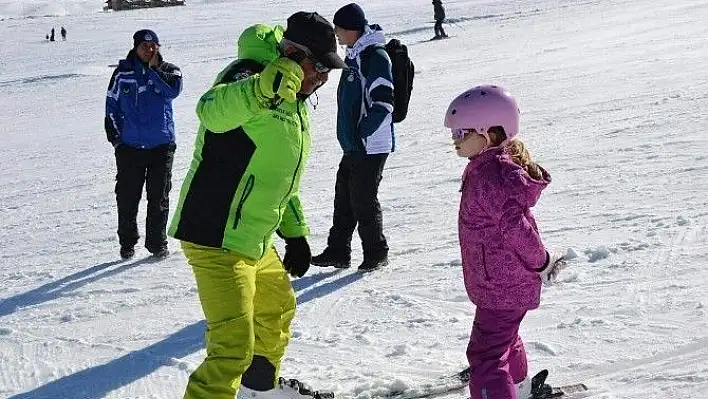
{"type": "Point", "coordinates": [612, 97]}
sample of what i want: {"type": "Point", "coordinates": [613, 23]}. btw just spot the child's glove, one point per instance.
{"type": "Point", "coordinates": [555, 262]}
{"type": "Point", "coordinates": [281, 78]}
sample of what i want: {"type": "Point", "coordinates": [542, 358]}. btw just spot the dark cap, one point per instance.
{"type": "Point", "coordinates": [350, 17]}
{"type": "Point", "coordinates": [311, 30]}
{"type": "Point", "coordinates": [145, 35]}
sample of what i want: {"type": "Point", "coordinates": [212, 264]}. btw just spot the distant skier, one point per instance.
{"type": "Point", "coordinates": [46, 37]}
{"type": "Point", "coordinates": [63, 33]}
{"type": "Point", "coordinates": [51, 36]}
{"type": "Point", "coordinates": [504, 260]}
{"type": "Point", "coordinates": [439, 19]}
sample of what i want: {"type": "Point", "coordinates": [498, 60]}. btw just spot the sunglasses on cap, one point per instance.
{"type": "Point", "coordinates": [300, 55]}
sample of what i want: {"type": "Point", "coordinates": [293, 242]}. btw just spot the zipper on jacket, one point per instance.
{"type": "Point", "coordinates": [250, 182]}
{"type": "Point", "coordinates": [292, 182]}
{"type": "Point", "coordinates": [484, 264]}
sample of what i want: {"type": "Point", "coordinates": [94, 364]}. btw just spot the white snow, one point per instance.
{"type": "Point", "coordinates": [614, 98]}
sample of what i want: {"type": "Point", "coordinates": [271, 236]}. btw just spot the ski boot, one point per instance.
{"type": "Point", "coordinates": [285, 389]}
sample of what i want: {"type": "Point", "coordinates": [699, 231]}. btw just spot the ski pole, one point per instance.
{"type": "Point", "coordinates": [456, 24]}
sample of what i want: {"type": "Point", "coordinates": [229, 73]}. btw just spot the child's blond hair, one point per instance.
{"type": "Point", "coordinates": [517, 151]}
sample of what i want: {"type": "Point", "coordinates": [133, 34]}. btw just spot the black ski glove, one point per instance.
{"type": "Point", "coordinates": [297, 256]}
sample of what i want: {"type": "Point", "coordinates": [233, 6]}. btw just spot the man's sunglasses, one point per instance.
{"type": "Point", "coordinates": [300, 55]}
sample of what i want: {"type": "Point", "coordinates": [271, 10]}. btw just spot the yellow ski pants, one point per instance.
{"type": "Point", "coordinates": [248, 305]}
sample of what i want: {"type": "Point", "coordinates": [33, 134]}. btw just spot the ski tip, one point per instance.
{"type": "Point", "coordinates": [323, 395]}
{"type": "Point", "coordinates": [569, 389]}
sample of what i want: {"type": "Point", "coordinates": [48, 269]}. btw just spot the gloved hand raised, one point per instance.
{"type": "Point", "coordinates": [281, 78]}
{"type": "Point", "coordinates": [297, 256]}
{"type": "Point", "coordinates": [555, 262]}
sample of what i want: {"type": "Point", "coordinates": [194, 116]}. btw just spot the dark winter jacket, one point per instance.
{"type": "Point", "coordinates": [365, 97]}
{"type": "Point", "coordinates": [439, 10]}
{"type": "Point", "coordinates": [139, 103]}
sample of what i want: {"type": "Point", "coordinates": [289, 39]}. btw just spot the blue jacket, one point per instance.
{"type": "Point", "coordinates": [365, 97]}
{"type": "Point", "coordinates": [139, 103]}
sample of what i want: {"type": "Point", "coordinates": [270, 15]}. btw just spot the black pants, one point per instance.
{"type": "Point", "coordinates": [356, 203]}
{"type": "Point", "coordinates": [439, 31]}
{"type": "Point", "coordinates": [152, 167]}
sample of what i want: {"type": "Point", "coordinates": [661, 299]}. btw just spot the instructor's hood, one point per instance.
{"type": "Point", "coordinates": [260, 43]}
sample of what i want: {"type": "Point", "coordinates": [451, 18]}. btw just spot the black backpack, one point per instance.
{"type": "Point", "coordinates": [402, 69]}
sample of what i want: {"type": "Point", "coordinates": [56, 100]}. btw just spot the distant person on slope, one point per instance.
{"type": "Point", "coordinates": [63, 33]}
{"type": "Point", "coordinates": [366, 134]}
{"type": "Point", "coordinates": [140, 126]}
{"type": "Point", "coordinates": [242, 188]}
{"type": "Point", "coordinates": [504, 260]}
{"type": "Point", "coordinates": [51, 35]}
{"type": "Point", "coordinates": [439, 16]}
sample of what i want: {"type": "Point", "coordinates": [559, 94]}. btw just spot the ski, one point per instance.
{"type": "Point", "coordinates": [439, 38]}
{"type": "Point", "coordinates": [439, 386]}
{"type": "Point", "coordinates": [541, 390]}
{"type": "Point", "coordinates": [456, 382]}
{"type": "Point", "coordinates": [323, 395]}
{"type": "Point", "coordinates": [557, 392]}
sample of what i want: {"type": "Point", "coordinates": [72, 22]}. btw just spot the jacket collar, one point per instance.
{"type": "Point", "coordinates": [524, 186]}
{"type": "Point", "coordinates": [133, 61]}
{"type": "Point", "coordinates": [373, 34]}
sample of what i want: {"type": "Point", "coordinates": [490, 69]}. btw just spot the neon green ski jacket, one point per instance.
{"type": "Point", "coordinates": [243, 182]}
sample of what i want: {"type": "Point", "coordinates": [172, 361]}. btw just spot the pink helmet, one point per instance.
{"type": "Point", "coordinates": [483, 107]}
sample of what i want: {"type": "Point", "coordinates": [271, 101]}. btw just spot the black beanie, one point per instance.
{"type": "Point", "coordinates": [145, 35]}
{"type": "Point", "coordinates": [350, 17]}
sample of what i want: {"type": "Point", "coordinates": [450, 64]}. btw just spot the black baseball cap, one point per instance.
{"type": "Point", "coordinates": [316, 33]}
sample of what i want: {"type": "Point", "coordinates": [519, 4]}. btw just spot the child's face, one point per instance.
{"type": "Point", "coordinates": [469, 143]}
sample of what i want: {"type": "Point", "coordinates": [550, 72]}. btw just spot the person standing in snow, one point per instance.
{"type": "Point", "coordinates": [366, 134]}
{"type": "Point", "coordinates": [51, 35]}
{"type": "Point", "coordinates": [439, 16]}
{"type": "Point", "coordinates": [504, 260]}
{"type": "Point", "coordinates": [241, 188]}
{"type": "Point", "coordinates": [140, 126]}
{"type": "Point", "coordinates": [63, 33]}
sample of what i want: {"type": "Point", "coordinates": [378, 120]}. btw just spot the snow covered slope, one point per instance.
{"type": "Point", "coordinates": [614, 98]}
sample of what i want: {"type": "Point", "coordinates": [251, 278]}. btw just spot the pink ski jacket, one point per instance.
{"type": "Point", "coordinates": [500, 243]}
